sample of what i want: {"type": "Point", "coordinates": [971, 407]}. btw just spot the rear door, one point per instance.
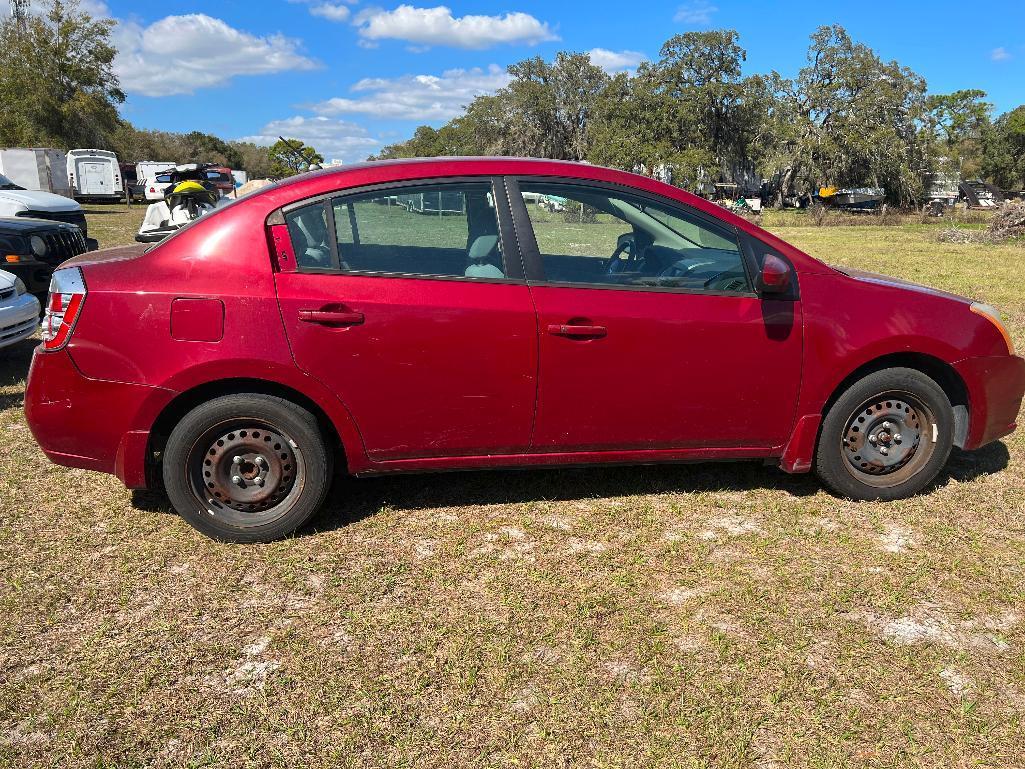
{"type": "Point", "coordinates": [97, 178]}
{"type": "Point", "coordinates": [651, 335]}
{"type": "Point", "coordinates": [419, 320]}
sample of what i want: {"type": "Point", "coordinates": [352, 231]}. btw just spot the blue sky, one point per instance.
{"type": "Point", "coordinates": [352, 75]}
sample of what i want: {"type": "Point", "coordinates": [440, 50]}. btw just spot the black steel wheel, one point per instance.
{"type": "Point", "coordinates": [886, 437]}
{"type": "Point", "coordinates": [883, 441]}
{"type": "Point", "coordinates": [247, 468]}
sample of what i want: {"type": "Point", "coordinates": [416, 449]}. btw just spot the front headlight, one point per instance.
{"type": "Point", "coordinates": [19, 287]}
{"type": "Point", "coordinates": [991, 314]}
{"type": "Point", "coordinates": [39, 247]}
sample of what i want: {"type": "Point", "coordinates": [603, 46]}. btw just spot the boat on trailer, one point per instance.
{"type": "Point", "coordinates": [853, 198]}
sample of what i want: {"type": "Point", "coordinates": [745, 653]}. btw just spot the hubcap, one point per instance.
{"type": "Point", "coordinates": [249, 469]}
{"type": "Point", "coordinates": [883, 441]}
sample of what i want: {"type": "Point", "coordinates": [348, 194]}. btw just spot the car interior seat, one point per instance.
{"type": "Point", "coordinates": [481, 254]}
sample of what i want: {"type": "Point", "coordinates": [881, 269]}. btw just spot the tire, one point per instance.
{"type": "Point", "coordinates": [282, 479]}
{"type": "Point", "coordinates": [886, 437]}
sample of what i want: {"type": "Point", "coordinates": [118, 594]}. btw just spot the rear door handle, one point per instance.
{"type": "Point", "coordinates": [331, 317]}
{"type": "Point", "coordinates": [577, 332]}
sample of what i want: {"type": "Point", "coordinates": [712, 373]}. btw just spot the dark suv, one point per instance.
{"type": "Point", "coordinates": [33, 248]}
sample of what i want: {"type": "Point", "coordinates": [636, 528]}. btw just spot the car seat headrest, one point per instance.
{"type": "Point", "coordinates": [482, 247]}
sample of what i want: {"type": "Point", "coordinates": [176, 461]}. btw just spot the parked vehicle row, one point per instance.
{"type": "Point", "coordinates": [315, 324]}
{"type": "Point", "coordinates": [97, 175]}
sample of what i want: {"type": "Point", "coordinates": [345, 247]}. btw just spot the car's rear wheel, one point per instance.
{"type": "Point", "coordinates": [247, 468]}
{"type": "Point", "coordinates": [886, 437]}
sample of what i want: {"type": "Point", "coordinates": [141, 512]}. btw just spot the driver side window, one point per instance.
{"type": "Point", "coordinates": [593, 236]}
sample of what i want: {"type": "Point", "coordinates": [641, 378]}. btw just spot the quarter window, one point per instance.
{"type": "Point", "coordinates": [436, 230]}
{"type": "Point", "coordinates": [594, 236]}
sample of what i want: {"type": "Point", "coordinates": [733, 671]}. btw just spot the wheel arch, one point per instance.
{"type": "Point", "coordinates": [935, 368]}
{"type": "Point", "coordinates": [187, 400]}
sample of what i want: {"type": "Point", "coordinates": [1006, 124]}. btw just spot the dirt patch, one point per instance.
{"type": "Point", "coordinates": [929, 623]}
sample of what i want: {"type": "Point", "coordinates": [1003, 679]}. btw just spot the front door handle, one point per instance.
{"type": "Point", "coordinates": [331, 317]}
{"type": "Point", "coordinates": [577, 331]}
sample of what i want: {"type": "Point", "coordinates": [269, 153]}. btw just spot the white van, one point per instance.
{"type": "Point", "coordinates": [95, 174]}
{"type": "Point", "coordinates": [36, 168]}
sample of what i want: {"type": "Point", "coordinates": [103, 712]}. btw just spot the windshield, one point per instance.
{"type": "Point", "coordinates": [7, 184]}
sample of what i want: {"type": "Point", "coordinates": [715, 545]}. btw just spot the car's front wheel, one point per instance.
{"type": "Point", "coordinates": [886, 437]}
{"type": "Point", "coordinates": [247, 467]}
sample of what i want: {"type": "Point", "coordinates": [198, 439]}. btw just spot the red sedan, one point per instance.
{"type": "Point", "coordinates": [435, 314]}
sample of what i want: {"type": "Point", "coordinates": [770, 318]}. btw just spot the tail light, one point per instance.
{"type": "Point", "coordinates": [67, 295]}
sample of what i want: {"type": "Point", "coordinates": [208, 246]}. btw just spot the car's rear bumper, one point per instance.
{"type": "Point", "coordinates": [91, 423]}
{"type": "Point", "coordinates": [996, 386]}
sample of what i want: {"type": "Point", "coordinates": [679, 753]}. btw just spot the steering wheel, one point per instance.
{"type": "Point", "coordinates": [625, 243]}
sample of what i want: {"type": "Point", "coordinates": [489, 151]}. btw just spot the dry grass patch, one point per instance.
{"type": "Point", "coordinates": [715, 615]}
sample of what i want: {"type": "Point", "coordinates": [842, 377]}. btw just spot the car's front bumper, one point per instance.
{"type": "Point", "coordinates": [996, 386]}
{"type": "Point", "coordinates": [34, 273]}
{"type": "Point", "coordinates": [93, 424]}
{"type": "Point", "coordinates": [18, 319]}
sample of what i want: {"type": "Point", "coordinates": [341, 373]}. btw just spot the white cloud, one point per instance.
{"type": "Point", "coordinates": [697, 12]}
{"type": "Point", "coordinates": [331, 11]}
{"type": "Point", "coordinates": [180, 54]}
{"type": "Point", "coordinates": [437, 26]}
{"type": "Point", "coordinates": [616, 61]}
{"type": "Point", "coordinates": [1001, 54]}
{"type": "Point", "coordinates": [98, 9]}
{"type": "Point", "coordinates": [334, 139]}
{"type": "Point", "coordinates": [417, 97]}
{"type": "Point", "coordinates": [95, 8]}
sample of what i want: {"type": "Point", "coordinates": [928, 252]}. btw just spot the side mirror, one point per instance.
{"type": "Point", "coordinates": [775, 276]}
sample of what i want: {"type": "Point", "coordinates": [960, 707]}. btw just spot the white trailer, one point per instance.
{"type": "Point", "coordinates": [36, 168]}
{"type": "Point", "coordinates": [147, 169]}
{"type": "Point", "coordinates": [95, 175]}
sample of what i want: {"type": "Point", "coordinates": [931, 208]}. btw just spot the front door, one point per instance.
{"type": "Point", "coordinates": [416, 315]}
{"type": "Point", "coordinates": [651, 335]}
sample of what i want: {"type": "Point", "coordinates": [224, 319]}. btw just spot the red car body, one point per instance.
{"type": "Point", "coordinates": [445, 374]}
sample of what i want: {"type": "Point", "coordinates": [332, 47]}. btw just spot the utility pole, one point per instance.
{"type": "Point", "coordinates": [19, 10]}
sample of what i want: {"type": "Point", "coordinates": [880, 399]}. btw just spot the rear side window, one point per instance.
{"type": "Point", "coordinates": [446, 230]}
{"type": "Point", "coordinates": [311, 237]}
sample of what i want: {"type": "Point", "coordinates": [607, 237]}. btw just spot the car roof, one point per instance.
{"type": "Point", "coordinates": [450, 165]}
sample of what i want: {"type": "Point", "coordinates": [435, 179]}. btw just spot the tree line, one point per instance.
{"type": "Point", "coordinates": [58, 89]}
{"type": "Point", "coordinates": [848, 118]}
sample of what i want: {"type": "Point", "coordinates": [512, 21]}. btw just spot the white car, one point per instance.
{"type": "Point", "coordinates": [19, 310]}
{"type": "Point", "coordinates": [15, 200]}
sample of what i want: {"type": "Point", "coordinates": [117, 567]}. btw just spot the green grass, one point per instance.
{"type": "Point", "coordinates": [697, 616]}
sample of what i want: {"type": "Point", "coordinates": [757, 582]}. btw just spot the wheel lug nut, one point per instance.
{"type": "Point", "coordinates": [237, 479]}
{"type": "Point", "coordinates": [897, 438]}
{"type": "Point", "coordinates": [237, 460]}
{"type": "Point", "coordinates": [258, 481]}
{"type": "Point", "coordinates": [261, 461]}
{"type": "Point", "coordinates": [872, 440]}
{"type": "Point", "coordinates": [884, 451]}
